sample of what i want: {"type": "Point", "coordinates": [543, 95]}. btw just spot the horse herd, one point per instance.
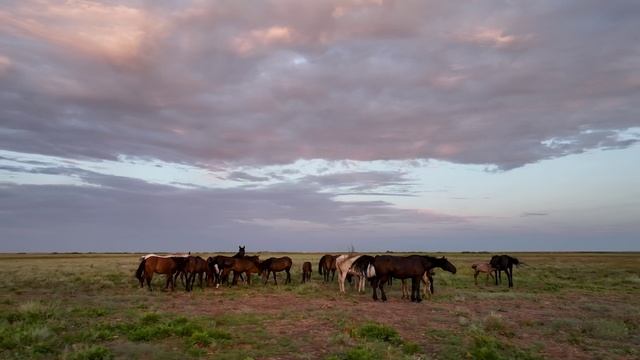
{"type": "Point", "coordinates": [378, 270]}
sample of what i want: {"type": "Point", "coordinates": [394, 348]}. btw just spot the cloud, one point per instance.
{"type": "Point", "coordinates": [121, 214]}
{"type": "Point", "coordinates": [240, 83]}
{"type": "Point", "coordinates": [529, 213]}
{"type": "Point", "coordinates": [243, 176]}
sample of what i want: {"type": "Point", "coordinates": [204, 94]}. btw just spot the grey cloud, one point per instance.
{"type": "Point", "coordinates": [243, 176]}
{"type": "Point", "coordinates": [128, 215]}
{"type": "Point", "coordinates": [481, 83]}
{"type": "Point", "coordinates": [525, 214]}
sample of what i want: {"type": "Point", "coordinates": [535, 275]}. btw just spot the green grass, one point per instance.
{"type": "Point", "coordinates": [89, 306]}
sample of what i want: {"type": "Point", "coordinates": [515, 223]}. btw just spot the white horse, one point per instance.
{"type": "Point", "coordinates": [357, 265]}
{"type": "Point", "coordinates": [145, 257]}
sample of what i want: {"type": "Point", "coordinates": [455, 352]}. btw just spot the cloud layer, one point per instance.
{"type": "Point", "coordinates": [269, 83]}
{"type": "Point", "coordinates": [122, 214]}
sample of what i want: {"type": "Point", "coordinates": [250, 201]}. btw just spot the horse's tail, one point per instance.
{"type": "Point", "coordinates": [371, 271]}
{"type": "Point", "coordinates": [140, 269]}
{"type": "Point", "coordinates": [474, 266]}
{"type": "Point", "coordinates": [320, 267]}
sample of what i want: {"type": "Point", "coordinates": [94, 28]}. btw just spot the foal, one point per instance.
{"type": "Point", "coordinates": [482, 267]}
{"type": "Point", "coordinates": [306, 272]}
{"type": "Point", "coordinates": [427, 288]}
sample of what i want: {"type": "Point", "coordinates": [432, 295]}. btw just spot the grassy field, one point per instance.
{"type": "Point", "coordinates": [89, 306]}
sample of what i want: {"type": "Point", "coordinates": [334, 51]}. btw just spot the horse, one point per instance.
{"type": "Point", "coordinates": [343, 266]}
{"type": "Point", "coordinates": [327, 265]}
{"type": "Point", "coordinates": [504, 263]}
{"type": "Point", "coordinates": [240, 253]}
{"type": "Point", "coordinates": [195, 266]}
{"type": "Point", "coordinates": [246, 265]}
{"type": "Point", "coordinates": [306, 272]}
{"type": "Point", "coordinates": [405, 267]}
{"type": "Point", "coordinates": [427, 282]}
{"type": "Point", "coordinates": [363, 269]}
{"type": "Point", "coordinates": [273, 265]}
{"type": "Point", "coordinates": [141, 277]}
{"type": "Point", "coordinates": [482, 267]}
{"type": "Point", "coordinates": [217, 264]}
{"type": "Point", "coordinates": [161, 265]}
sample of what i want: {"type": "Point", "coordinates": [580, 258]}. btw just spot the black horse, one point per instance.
{"type": "Point", "coordinates": [504, 263]}
{"type": "Point", "coordinates": [405, 267]}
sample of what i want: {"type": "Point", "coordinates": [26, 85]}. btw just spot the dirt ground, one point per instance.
{"type": "Point", "coordinates": [525, 320]}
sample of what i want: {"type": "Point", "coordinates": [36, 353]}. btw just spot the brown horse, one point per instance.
{"type": "Point", "coordinates": [326, 266]}
{"type": "Point", "coordinates": [246, 265]}
{"type": "Point", "coordinates": [306, 272]}
{"type": "Point", "coordinates": [161, 265]}
{"type": "Point", "coordinates": [484, 268]}
{"type": "Point", "coordinates": [195, 266]}
{"type": "Point", "coordinates": [406, 267]}
{"type": "Point", "coordinates": [427, 286]}
{"type": "Point", "coordinates": [274, 265]}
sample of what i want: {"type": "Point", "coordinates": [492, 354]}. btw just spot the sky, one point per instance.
{"type": "Point", "coordinates": [319, 125]}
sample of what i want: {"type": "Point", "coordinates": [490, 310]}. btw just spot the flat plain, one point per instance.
{"type": "Point", "coordinates": [90, 306]}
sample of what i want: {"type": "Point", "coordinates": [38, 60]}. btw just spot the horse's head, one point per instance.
{"type": "Point", "coordinates": [447, 265]}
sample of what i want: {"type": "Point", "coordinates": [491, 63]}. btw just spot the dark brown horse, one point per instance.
{"type": "Point", "coordinates": [306, 272]}
{"type": "Point", "coordinates": [504, 263]}
{"type": "Point", "coordinates": [218, 263]}
{"type": "Point", "coordinates": [274, 265]}
{"type": "Point", "coordinates": [240, 253]}
{"type": "Point", "coordinates": [247, 265]}
{"type": "Point", "coordinates": [161, 265]}
{"type": "Point", "coordinates": [326, 266]}
{"type": "Point", "coordinates": [406, 267]}
{"type": "Point", "coordinates": [195, 266]}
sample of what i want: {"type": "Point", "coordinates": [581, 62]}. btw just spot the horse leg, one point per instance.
{"type": "Point", "coordinates": [341, 279]}
{"type": "Point", "coordinates": [403, 288]}
{"type": "Point", "coordinates": [288, 277]}
{"type": "Point", "coordinates": [509, 272]}
{"type": "Point", "coordinates": [169, 282]}
{"type": "Point", "coordinates": [374, 286]}
{"type": "Point", "coordinates": [414, 290]}
{"type": "Point", "coordinates": [384, 296]}
{"type": "Point", "coordinates": [148, 278]}
{"type": "Point", "coordinates": [275, 280]}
